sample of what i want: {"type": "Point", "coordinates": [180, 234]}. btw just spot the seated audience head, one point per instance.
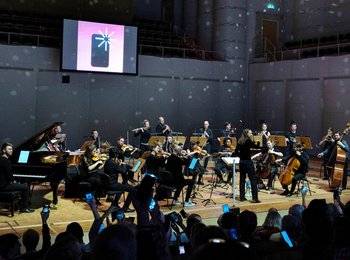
{"type": "Point", "coordinates": [296, 210]}
{"type": "Point", "coordinates": [76, 231]}
{"type": "Point", "coordinates": [193, 219]}
{"type": "Point", "coordinates": [247, 223]}
{"type": "Point", "coordinates": [10, 247]}
{"type": "Point", "coordinates": [30, 239]}
{"type": "Point", "coordinates": [116, 242]}
{"type": "Point", "coordinates": [204, 235]}
{"type": "Point", "coordinates": [228, 220]}
{"type": "Point", "coordinates": [273, 220]}
{"type": "Point", "coordinates": [66, 247]}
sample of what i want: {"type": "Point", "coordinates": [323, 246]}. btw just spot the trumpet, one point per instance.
{"type": "Point", "coordinates": [138, 129]}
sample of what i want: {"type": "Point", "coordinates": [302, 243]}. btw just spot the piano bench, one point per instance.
{"type": "Point", "coordinates": [11, 198]}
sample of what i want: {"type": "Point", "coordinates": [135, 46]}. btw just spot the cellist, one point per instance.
{"type": "Point", "coordinates": [299, 154]}
{"type": "Point", "coordinates": [332, 154]}
{"type": "Point", "coordinates": [267, 153]}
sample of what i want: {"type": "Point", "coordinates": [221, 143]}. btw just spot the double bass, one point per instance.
{"type": "Point", "coordinates": [264, 166]}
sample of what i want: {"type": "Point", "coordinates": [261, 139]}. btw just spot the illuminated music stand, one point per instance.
{"type": "Point", "coordinates": [180, 138]}
{"type": "Point", "coordinates": [202, 141]}
{"type": "Point", "coordinates": [233, 140]}
{"type": "Point", "coordinates": [279, 140]}
{"type": "Point", "coordinates": [138, 166]}
{"type": "Point", "coordinates": [258, 138]}
{"type": "Point", "coordinates": [231, 162]}
{"type": "Point", "coordinates": [305, 141]}
{"type": "Point", "coordinates": [156, 139]}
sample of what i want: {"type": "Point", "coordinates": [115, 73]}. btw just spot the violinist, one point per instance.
{"type": "Point", "coordinates": [291, 138]}
{"type": "Point", "coordinates": [113, 168]}
{"type": "Point", "coordinates": [145, 134]}
{"type": "Point", "coordinates": [208, 133]}
{"type": "Point", "coordinates": [162, 128]}
{"type": "Point", "coordinates": [246, 166]}
{"type": "Point", "coordinates": [90, 165]}
{"type": "Point", "coordinates": [326, 142]}
{"type": "Point", "coordinates": [174, 166]}
{"type": "Point", "coordinates": [267, 157]}
{"type": "Point", "coordinates": [299, 154]}
{"type": "Point", "coordinates": [332, 155]}
{"type": "Point", "coordinates": [194, 151]}
{"type": "Point", "coordinates": [264, 133]}
{"type": "Point", "coordinates": [228, 131]}
{"type": "Point", "coordinates": [155, 160]}
{"type": "Point", "coordinates": [169, 144]}
{"type": "Point", "coordinates": [226, 150]}
{"type": "Point", "coordinates": [121, 152]}
{"type": "Point", "coordinates": [96, 138]}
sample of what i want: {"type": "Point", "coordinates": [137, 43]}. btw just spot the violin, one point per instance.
{"type": "Point", "coordinates": [200, 151]}
{"type": "Point", "coordinates": [127, 148]}
{"type": "Point", "coordinates": [97, 157]}
{"type": "Point", "coordinates": [163, 154]}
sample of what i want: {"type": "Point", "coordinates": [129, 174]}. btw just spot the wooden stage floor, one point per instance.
{"type": "Point", "coordinates": [68, 211]}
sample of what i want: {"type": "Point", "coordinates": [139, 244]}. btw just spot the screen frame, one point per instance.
{"type": "Point", "coordinates": [65, 71]}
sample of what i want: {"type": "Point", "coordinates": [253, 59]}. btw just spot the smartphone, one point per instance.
{"type": "Point", "coordinates": [286, 239]}
{"type": "Point", "coordinates": [88, 197]}
{"type": "Point", "coordinates": [99, 50]}
{"type": "Point", "coordinates": [152, 204]}
{"type": "Point", "coordinates": [46, 208]}
{"type": "Point", "coordinates": [146, 186]}
{"type": "Point", "coordinates": [174, 216]}
{"type": "Point", "coordinates": [120, 215]}
{"type": "Point", "coordinates": [225, 208]}
{"type": "Point", "coordinates": [183, 213]}
{"type": "Point", "coordinates": [233, 233]}
{"type": "Point", "coordinates": [182, 249]}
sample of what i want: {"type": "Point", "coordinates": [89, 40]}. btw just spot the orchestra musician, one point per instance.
{"type": "Point", "coordinates": [228, 131]}
{"type": "Point", "coordinates": [195, 151]}
{"type": "Point", "coordinates": [91, 162]}
{"type": "Point", "coordinates": [113, 167]}
{"type": "Point", "coordinates": [96, 138]}
{"type": "Point", "coordinates": [156, 159]}
{"type": "Point", "coordinates": [326, 141]}
{"type": "Point", "coordinates": [266, 153]}
{"type": "Point", "coordinates": [162, 128]}
{"type": "Point", "coordinates": [246, 166]}
{"type": "Point", "coordinates": [291, 138]}
{"type": "Point", "coordinates": [123, 150]}
{"type": "Point", "coordinates": [145, 134]}
{"type": "Point", "coordinates": [59, 139]}
{"type": "Point", "coordinates": [299, 154]}
{"type": "Point", "coordinates": [225, 150]}
{"type": "Point", "coordinates": [174, 165]}
{"type": "Point", "coordinates": [264, 133]}
{"type": "Point", "coordinates": [332, 154]}
{"type": "Point", "coordinates": [208, 133]}
{"type": "Point", "coordinates": [7, 181]}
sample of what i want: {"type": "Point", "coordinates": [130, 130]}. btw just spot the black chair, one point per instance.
{"type": "Point", "coordinates": [83, 188]}
{"type": "Point", "coordinates": [106, 183]}
{"type": "Point", "coordinates": [166, 188]}
{"type": "Point", "coordinates": [11, 198]}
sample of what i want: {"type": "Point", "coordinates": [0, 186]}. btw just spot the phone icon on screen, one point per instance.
{"type": "Point", "coordinates": [100, 50]}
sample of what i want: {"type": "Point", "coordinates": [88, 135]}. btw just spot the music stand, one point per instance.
{"type": "Point", "coordinates": [200, 140]}
{"type": "Point", "coordinates": [156, 139]}
{"type": "Point", "coordinates": [305, 141]}
{"type": "Point", "coordinates": [280, 140]}
{"type": "Point", "coordinates": [138, 166]}
{"type": "Point", "coordinates": [232, 161]}
{"type": "Point", "coordinates": [180, 138]}
{"type": "Point", "coordinates": [233, 140]}
{"type": "Point", "coordinates": [258, 138]}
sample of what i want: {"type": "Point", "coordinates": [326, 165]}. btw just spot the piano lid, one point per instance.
{"type": "Point", "coordinates": [37, 140]}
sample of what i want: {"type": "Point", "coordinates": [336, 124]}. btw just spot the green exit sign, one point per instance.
{"type": "Point", "coordinates": [271, 6]}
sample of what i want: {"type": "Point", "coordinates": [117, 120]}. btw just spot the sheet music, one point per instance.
{"type": "Point", "coordinates": [230, 160]}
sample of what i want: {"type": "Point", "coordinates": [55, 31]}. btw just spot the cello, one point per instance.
{"type": "Point", "coordinates": [293, 165]}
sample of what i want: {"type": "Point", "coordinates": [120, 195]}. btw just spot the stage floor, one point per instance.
{"type": "Point", "coordinates": [68, 211]}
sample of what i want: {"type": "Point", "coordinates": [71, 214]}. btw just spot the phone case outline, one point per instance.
{"type": "Point", "coordinates": [99, 57]}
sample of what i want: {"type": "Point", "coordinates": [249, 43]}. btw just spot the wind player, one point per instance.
{"type": "Point", "coordinates": [96, 138]}
{"type": "Point", "coordinates": [145, 134]}
{"type": "Point", "coordinates": [162, 128]}
{"type": "Point", "coordinates": [300, 173]}
{"type": "Point", "coordinates": [208, 133]}
{"type": "Point", "coordinates": [7, 181]}
{"type": "Point", "coordinates": [264, 133]}
{"type": "Point", "coordinates": [291, 138]}
{"type": "Point", "coordinates": [225, 150]}
{"type": "Point", "coordinates": [228, 131]}
{"type": "Point", "coordinates": [246, 166]}
{"type": "Point", "coordinates": [266, 151]}
{"type": "Point", "coordinates": [332, 153]}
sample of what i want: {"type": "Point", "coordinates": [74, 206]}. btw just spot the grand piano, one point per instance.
{"type": "Point", "coordinates": [32, 160]}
